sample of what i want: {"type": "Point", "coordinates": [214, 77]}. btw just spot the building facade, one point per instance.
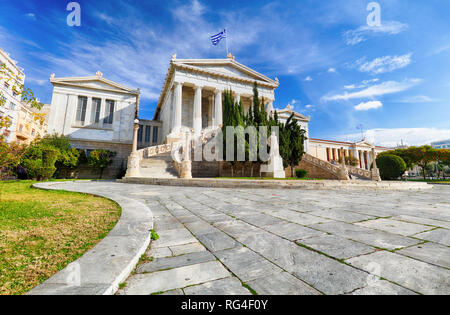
{"type": "Point", "coordinates": [441, 144]}
{"type": "Point", "coordinates": [149, 133]}
{"type": "Point", "coordinates": [28, 128]}
{"type": "Point", "coordinates": [330, 151]}
{"type": "Point", "coordinates": [192, 96]}
{"type": "Point", "coordinates": [12, 101]}
{"type": "Point", "coordinates": [95, 113]}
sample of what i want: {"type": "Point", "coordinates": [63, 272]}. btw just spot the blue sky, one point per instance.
{"type": "Point", "coordinates": [393, 79]}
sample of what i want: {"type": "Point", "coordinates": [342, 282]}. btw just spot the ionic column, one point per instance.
{"type": "Point", "coordinates": [218, 122]}
{"type": "Point", "coordinates": [269, 109]}
{"type": "Point", "coordinates": [198, 110]}
{"type": "Point", "coordinates": [133, 165]}
{"type": "Point", "coordinates": [178, 97]}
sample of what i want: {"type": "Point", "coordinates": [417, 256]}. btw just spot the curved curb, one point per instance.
{"type": "Point", "coordinates": [100, 270]}
{"type": "Point", "coordinates": [276, 184]}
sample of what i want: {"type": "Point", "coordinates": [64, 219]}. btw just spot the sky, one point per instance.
{"type": "Point", "coordinates": [392, 77]}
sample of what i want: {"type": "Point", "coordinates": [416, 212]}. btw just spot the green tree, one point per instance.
{"type": "Point", "coordinates": [391, 166]}
{"type": "Point", "coordinates": [100, 159]}
{"type": "Point", "coordinates": [292, 139]}
{"type": "Point", "coordinates": [423, 156]}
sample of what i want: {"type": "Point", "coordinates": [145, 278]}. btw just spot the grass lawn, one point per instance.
{"type": "Point", "coordinates": [41, 232]}
{"type": "Point", "coordinates": [431, 181]}
{"type": "Point", "coordinates": [266, 178]}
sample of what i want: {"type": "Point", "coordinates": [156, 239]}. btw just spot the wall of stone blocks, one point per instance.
{"type": "Point", "coordinates": [123, 152]}
{"type": "Point", "coordinates": [313, 171]}
{"type": "Point", "coordinates": [240, 169]}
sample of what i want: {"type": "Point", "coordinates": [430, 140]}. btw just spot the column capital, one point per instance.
{"type": "Point", "coordinates": [176, 83]}
{"type": "Point", "coordinates": [217, 91]}
{"type": "Point", "coordinates": [198, 86]}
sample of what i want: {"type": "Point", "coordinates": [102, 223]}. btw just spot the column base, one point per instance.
{"type": "Point", "coordinates": [376, 175]}
{"type": "Point", "coordinates": [133, 166]}
{"type": "Point", "coordinates": [186, 170]}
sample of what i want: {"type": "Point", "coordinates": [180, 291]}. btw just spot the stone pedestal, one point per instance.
{"type": "Point", "coordinates": [274, 167]}
{"type": "Point", "coordinates": [133, 166]}
{"type": "Point", "coordinates": [376, 174]}
{"type": "Point", "coordinates": [186, 170]}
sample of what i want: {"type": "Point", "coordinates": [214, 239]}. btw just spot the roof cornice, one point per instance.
{"type": "Point", "coordinates": [70, 81]}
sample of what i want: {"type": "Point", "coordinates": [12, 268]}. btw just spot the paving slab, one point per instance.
{"type": "Point", "coordinates": [281, 284]}
{"type": "Point", "coordinates": [367, 236]}
{"type": "Point", "coordinates": [342, 215]}
{"type": "Point", "coordinates": [292, 231]}
{"type": "Point", "coordinates": [395, 227]}
{"type": "Point", "coordinates": [187, 249]}
{"type": "Point", "coordinates": [173, 292]}
{"type": "Point", "coordinates": [175, 262]}
{"type": "Point", "coordinates": [409, 273]}
{"type": "Point", "coordinates": [299, 218]}
{"type": "Point", "coordinates": [383, 287]}
{"type": "Point", "coordinates": [173, 238]}
{"type": "Point", "coordinates": [246, 264]}
{"type": "Point", "coordinates": [228, 286]}
{"type": "Point", "coordinates": [441, 236]}
{"type": "Point", "coordinates": [162, 281]}
{"type": "Point", "coordinates": [336, 246]}
{"type": "Point", "coordinates": [160, 252]}
{"type": "Point", "coordinates": [424, 221]}
{"type": "Point", "coordinates": [217, 241]}
{"type": "Point", "coordinates": [432, 253]}
{"type": "Point", "coordinates": [261, 220]}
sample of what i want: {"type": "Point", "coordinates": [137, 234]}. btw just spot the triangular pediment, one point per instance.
{"type": "Point", "coordinates": [364, 143]}
{"type": "Point", "coordinates": [227, 67]}
{"type": "Point", "coordinates": [97, 83]}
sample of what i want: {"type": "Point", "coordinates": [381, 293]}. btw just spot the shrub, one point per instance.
{"type": "Point", "coordinates": [301, 173]}
{"type": "Point", "coordinates": [10, 157]}
{"type": "Point", "coordinates": [101, 159]}
{"type": "Point", "coordinates": [68, 157]}
{"type": "Point", "coordinates": [391, 166]}
{"type": "Point", "coordinates": [39, 161]}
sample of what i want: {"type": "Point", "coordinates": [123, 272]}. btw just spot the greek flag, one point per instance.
{"type": "Point", "coordinates": [217, 38]}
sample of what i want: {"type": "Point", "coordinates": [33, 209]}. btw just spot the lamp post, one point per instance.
{"type": "Point", "coordinates": [134, 159]}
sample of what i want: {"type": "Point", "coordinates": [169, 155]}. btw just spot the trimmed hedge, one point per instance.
{"type": "Point", "coordinates": [301, 173]}
{"type": "Point", "coordinates": [391, 166]}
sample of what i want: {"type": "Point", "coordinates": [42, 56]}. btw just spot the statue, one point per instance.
{"type": "Point", "coordinates": [274, 167]}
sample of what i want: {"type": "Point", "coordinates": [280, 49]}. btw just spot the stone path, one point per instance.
{"type": "Point", "coordinates": [224, 241]}
{"type": "Point", "coordinates": [265, 241]}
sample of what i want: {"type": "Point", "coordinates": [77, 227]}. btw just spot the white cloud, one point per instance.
{"type": "Point", "coordinates": [368, 105]}
{"type": "Point", "coordinates": [308, 78]}
{"type": "Point", "coordinates": [409, 136]}
{"type": "Point", "coordinates": [388, 87]}
{"type": "Point", "coordinates": [332, 70]}
{"type": "Point", "coordinates": [350, 87]}
{"type": "Point", "coordinates": [309, 106]}
{"type": "Point", "coordinates": [384, 64]}
{"type": "Point", "coordinates": [31, 16]}
{"type": "Point", "coordinates": [418, 99]}
{"type": "Point", "coordinates": [354, 37]}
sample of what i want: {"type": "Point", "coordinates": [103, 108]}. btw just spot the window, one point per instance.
{"type": "Point", "coordinates": [140, 131]}
{"type": "Point", "coordinates": [95, 111]}
{"type": "Point", "coordinates": [20, 128]}
{"type": "Point", "coordinates": [33, 132]}
{"type": "Point", "coordinates": [109, 119]}
{"type": "Point", "coordinates": [12, 106]}
{"type": "Point", "coordinates": [6, 84]}
{"type": "Point", "coordinates": [147, 133]}
{"type": "Point", "coordinates": [81, 110]}
{"type": "Point", "coordinates": [155, 134]}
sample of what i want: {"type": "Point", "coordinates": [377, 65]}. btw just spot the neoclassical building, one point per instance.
{"type": "Point", "coordinates": [96, 113]}
{"type": "Point", "coordinates": [192, 95]}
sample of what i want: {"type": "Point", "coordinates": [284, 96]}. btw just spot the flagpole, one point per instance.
{"type": "Point", "coordinates": [226, 40]}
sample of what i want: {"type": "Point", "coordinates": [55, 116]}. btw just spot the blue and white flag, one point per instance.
{"type": "Point", "coordinates": [218, 37]}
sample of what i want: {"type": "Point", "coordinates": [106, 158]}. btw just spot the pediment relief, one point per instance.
{"type": "Point", "coordinates": [228, 68]}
